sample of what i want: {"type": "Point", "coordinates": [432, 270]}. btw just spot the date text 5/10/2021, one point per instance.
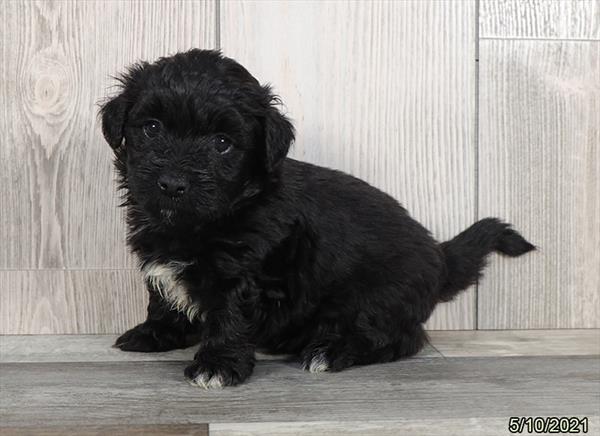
{"type": "Point", "coordinates": [548, 424]}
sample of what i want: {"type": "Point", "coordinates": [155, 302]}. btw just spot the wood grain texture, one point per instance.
{"type": "Point", "coordinates": [109, 430]}
{"type": "Point", "coordinates": [548, 19]}
{"type": "Point", "coordinates": [59, 301]}
{"type": "Point", "coordinates": [156, 393]}
{"type": "Point", "coordinates": [57, 59]}
{"type": "Point", "coordinates": [539, 166]}
{"type": "Point", "coordinates": [382, 90]}
{"type": "Point", "coordinates": [422, 427]}
{"type": "Point", "coordinates": [488, 343]}
{"type": "Point", "coordinates": [98, 348]}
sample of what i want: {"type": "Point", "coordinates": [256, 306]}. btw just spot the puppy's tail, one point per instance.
{"type": "Point", "coordinates": [466, 252]}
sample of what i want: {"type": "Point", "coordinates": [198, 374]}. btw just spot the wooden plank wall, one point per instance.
{"type": "Point", "coordinates": [383, 90]}
{"type": "Point", "coordinates": [389, 91]}
{"type": "Point", "coordinates": [539, 160]}
{"type": "Point", "coordinates": [64, 264]}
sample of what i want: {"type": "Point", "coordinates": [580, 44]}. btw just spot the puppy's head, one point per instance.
{"type": "Point", "coordinates": [194, 135]}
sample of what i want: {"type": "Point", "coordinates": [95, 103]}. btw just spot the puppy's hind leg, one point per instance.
{"type": "Point", "coordinates": [335, 353]}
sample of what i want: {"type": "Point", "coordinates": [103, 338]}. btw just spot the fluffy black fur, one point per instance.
{"type": "Point", "coordinates": [272, 252]}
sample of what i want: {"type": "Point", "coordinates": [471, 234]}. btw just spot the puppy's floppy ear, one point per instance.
{"type": "Point", "coordinates": [278, 134]}
{"type": "Point", "coordinates": [114, 114]}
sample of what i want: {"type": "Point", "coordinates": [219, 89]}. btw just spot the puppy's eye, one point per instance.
{"type": "Point", "coordinates": [152, 128]}
{"type": "Point", "coordinates": [223, 144]}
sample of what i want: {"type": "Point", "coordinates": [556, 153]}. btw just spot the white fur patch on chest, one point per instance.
{"type": "Point", "coordinates": [165, 278]}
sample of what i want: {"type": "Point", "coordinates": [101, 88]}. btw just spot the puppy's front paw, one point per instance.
{"type": "Point", "coordinates": [148, 338]}
{"type": "Point", "coordinates": [217, 369]}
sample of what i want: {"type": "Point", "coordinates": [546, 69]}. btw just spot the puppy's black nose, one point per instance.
{"type": "Point", "coordinates": [173, 186]}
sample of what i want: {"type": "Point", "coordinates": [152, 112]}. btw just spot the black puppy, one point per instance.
{"type": "Point", "coordinates": [242, 247]}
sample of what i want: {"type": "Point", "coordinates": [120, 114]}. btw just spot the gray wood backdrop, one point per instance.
{"type": "Point", "coordinates": [459, 109]}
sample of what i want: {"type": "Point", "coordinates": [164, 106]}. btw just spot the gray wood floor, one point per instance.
{"type": "Point", "coordinates": [465, 383]}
